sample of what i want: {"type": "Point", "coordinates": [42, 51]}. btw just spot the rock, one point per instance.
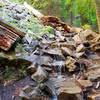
{"type": "Point", "coordinates": [19, 16]}
{"type": "Point", "coordinates": [68, 89]}
{"type": "Point", "coordinates": [69, 86]}
{"type": "Point", "coordinates": [54, 53]}
{"type": "Point", "coordinates": [40, 75]}
{"type": "Point", "coordinates": [71, 46]}
{"type": "Point", "coordinates": [93, 73]}
{"type": "Point", "coordinates": [19, 8]}
{"type": "Point", "coordinates": [77, 38]}
{"type": "Point", "coordinates": [40, 98]}
{"type": "Point", "coordinates": [32, 69]}
{"type": "Point", "coordinates": [89, 35]}
{"type": "Point", "coordinates": [65, 96]}
{"type": "Point", "coordinates": [24, 96]}
{"type": "Point", "coordinates": [44, 60]}
{"type": "Point", "coordinates": [70, 64]}
{"type": "Point", "coordinates": [85, 83]}
{"type": "Point", "coordinates": [76, 30]}
{"type": "Point", "coordinates": [36, 92]}
{"type": "Point", "coordinates": [78, 55]}
{"type": "Point", "coordinates": [95, 96]}
{"type": "Point", "coordinates": [49, 88]}
{"type": "Point", "coordinates": [27, 89]}
{"type": "Point", "coordinates": [30, 93]}
{"type": "Point", "coordinates": [66, 51]}
{"type": "Point", "coordinates": [80, 48]}
{"type": "Point", "coordinates": [54, 66]}
{"type": "Point", "coordinates": [96, 47]}
{"type": "Point", "coordinates": [48, 69]}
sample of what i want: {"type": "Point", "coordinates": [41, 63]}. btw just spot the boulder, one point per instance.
{"type": "Point", "coordinates": [32, 69]}
{"type": "Point", "coordinates": [40, 75]}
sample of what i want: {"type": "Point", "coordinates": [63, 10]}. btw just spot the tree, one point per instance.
{"type": "Point", "coordinates": [97, 5]}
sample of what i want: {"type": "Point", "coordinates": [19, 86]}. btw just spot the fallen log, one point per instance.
{"type": "Point", "coordinates": [8, 35]}
{"type": "Point", "coordinates": [55, 23]}
{"type": "Point", "coordinates": [11, 28]}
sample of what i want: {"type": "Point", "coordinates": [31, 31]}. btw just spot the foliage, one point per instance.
{"type": "Point", "coordinates": [82, 11]}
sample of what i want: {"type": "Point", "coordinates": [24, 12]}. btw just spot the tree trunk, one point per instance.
{"type": "Point", "coordinates": [97, 5]}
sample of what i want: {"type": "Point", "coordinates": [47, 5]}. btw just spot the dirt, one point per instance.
{"type": "Point", "coordinates": [11, 91]}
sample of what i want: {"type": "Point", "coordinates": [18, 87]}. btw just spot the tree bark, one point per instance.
{"type": "Point", "coordinates": [97, 5]}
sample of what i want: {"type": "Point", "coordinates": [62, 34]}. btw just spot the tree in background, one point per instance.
{"type": "Point", "coordinates": [79, 13]}
{"type": "Point", "coordinates": [97, 4]}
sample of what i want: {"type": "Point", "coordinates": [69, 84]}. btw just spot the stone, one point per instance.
{"type": "Point", "coordinates": [80, 48]}
{"type": "Point", "coordinates": [85, 83]}
{"type": "Point", "coordinates": [76, 30]}
{"type": "Point", "coordinates": [77, 38]}
{"type": "Point", "coordinates": [54, 53]}
{"type": "Point", "coordinates": [24, 96]}
{"type": "Point", "coordinates": [70, 64]}
{"type": "Point", "coordinates": [65, 96]}
{"type": "Point", "coordinates": [78, 55]}
{"type": "Point", "coordinates": [93, 73]}
{"type": "Point", "coordinates": [32, 69]}
{"type": "Point", "coordinates": [27, 89]}
{"type": "Point", "coordinates": [40, 75]}
{"type": "Point", "coordinates": [19, 8]}
{"type": "Point", "coordinates": [69, 86]}
{"type": "Point", "coordinates": [66, 51]}
{"type": "Point", "coordinates": [44, 60]}
{"type": "Point", "coordinates": [89, 34]}
{"type": "Point", "coordinates": [95, 96]}
{"type": "Point", "coordinates": [71, 46]}
{"type": "Point", "coordinates": [95, 47]}
{"type": "Point", "coordinates": [68, 89]}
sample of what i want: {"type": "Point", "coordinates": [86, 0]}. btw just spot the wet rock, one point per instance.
{"type": "Point", "coordinates": [44, 60]}
{"type": "Point", "coordinates": [40, 98]}
{"type": "Point", "coordinates": [36, 92]}
{"type": "Point", "coordinates": [95, 96]}
{"type": "Point", "coordinates": [70, 64]}
{"type": "Point", "coordinates": [19, 16]}
{"type": "Point", "coordinates": [71, 46]}
{"type": "Point", "coordinates": [79, 55]}
{"type": "Point", "coordinates": [96, 47]}
{"type": "Point", "coordinates": [54, 53]}
{"type": "Point", "coordinates": [89, 35]}
{"type": "Point", "coordinates": [69, 86]}
{"type": "Point", "coordinates": [46, 89]}
{"type": "Point", "coordinates": [27, 89]}
{"type": "Point", "coordinates": [85, 83]}
{"type": "Point", "coordinates": [19, 8]}
{"type": "Point", "coordinates": [30, 93]}
{"type": "Point", "coordinates": [24, 96]}
{"type": "Point", "coordinates": [48, 69]}
{"type": "Point", "coordinates": [32, 69]}
{"type": "Point", "coordinates": [68, 89]}
{"type": "Point", "coordinates": [76, 30]}
{"type": "Point", "coordinates": [65, 96]}
{"type": "Point", "coordinates": [66, 51]}
{"type": "Point", "coordinates": [80, 48]}
{"type": "Point", "coordinates": [40, 75]}
{"type": "Point", "coordinates": [77, 38]}
{"type": "Point", "coordinates": [93, 73]}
